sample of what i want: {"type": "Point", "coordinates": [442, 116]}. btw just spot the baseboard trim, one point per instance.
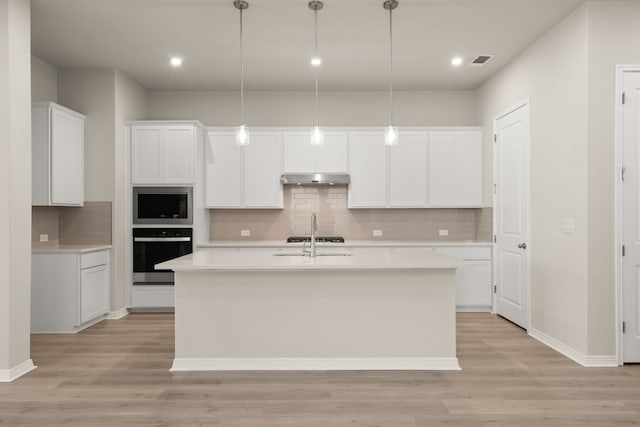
{"type": "Point", "coordinates": [8, 375]}
{"type": "Point", "coordinates": [582, 359]}
{"type": "Point", "coordinates": [315, 364]}
{"type": "Point", "coordinates": [117, 314]}
{"type": "Point", "coordinates": [473, 309]}
{"type": "Point", "coordinates": [601, 362]}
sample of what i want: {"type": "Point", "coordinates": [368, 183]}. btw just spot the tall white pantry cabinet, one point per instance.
{"type": "Point", "coordinates": [57, 155]}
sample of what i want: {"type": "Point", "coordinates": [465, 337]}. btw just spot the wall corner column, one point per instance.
{"type": "Point", "coordinates": [15, 189]}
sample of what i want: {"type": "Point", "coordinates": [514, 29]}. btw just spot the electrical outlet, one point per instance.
{"type": "Point", "coordinates": [44, 237]}
{"type": "Point", "coordinates": [377, 233]}
{"type": "Point", "coordinates": [569, 225]}
{"type": "Point", "coordinates": [245, 233]}
{"type": "Point", "coordinates": [443, 232]}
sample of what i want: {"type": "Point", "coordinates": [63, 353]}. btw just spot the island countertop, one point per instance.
{"type": "Point", "coordinates": [348, 243]}
{"type": "Point", "coordinates": [205, 261]}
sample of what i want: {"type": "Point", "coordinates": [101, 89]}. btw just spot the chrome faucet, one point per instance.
{"type": "Point", "coordinates": [314, 230]}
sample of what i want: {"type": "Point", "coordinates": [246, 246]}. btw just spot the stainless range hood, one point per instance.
{"type": "Point", "coordinates": [315, 179]}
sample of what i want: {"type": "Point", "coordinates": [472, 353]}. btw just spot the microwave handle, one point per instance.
{"type": "Point", "coordinates": [162, 239]}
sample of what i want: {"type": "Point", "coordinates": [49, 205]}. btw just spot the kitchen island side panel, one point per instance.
{"type": "Point", "coordinates": [226, 315]}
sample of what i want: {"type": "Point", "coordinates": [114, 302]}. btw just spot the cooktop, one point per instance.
{"type": "Point", "coordinates": [320, 239]}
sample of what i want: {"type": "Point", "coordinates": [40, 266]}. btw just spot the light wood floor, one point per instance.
{"type": "Point", "coordinates": [117, 374]}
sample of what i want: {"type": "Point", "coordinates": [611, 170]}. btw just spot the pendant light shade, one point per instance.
{"type": "Point", "coordinates": [317, 134]}
{"type": "Point", "coordinates": [242, 132]}
{"type": "Point", "coordinates": [390, 132]}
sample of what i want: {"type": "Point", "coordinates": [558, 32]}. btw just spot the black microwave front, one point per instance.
{"type": "Point", "coordinates": [163, 205]}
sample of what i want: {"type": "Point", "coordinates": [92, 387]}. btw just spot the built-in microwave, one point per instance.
{"type": "Point", "coordinates": [162, 205]}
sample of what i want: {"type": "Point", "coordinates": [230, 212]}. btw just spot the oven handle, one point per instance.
{"type": "Point", "coordinates": [162, 239]}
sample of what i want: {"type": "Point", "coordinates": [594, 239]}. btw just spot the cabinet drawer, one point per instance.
{"type": "Point", "coordinates": [93, 259]}
{"type": "Point", "coordinates": [465, 252]}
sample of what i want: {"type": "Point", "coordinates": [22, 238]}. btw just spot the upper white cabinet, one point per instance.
{"type": "Point", "coordinates": [223, 171]}
{"type": "Point", "coordinates": [57, 155]}
{"type": "Point", "coordinates": [301, 157]}
{"type": "Point", "coordinates": [367, 169]}
{"type": "Point", "coordinates": [243, 177]}
{"type": "Point", "coordinates": [455, 169]}
{"type": "Point", "coordinates": [408, 171]}
{"type": "Point", "coordinates": [388, 177]}
{"type": "Point", "coordinates": [163, 154]}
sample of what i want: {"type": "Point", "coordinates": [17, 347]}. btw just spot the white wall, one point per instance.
{"type": "Point", "coordinates": [294, 108]}
{"type": "Point", "coordinates": [614, 32]}
{"type": "Point", "coordinates": [44, 80]}
{"type": "Point", "coordinates": [553, 73]}
{"type": "Point", "coordinates": [130, 104]}
{"type": "Point", "coordinates": [91, 92]}
{"type": "Point", "coordinates": [15, 184]}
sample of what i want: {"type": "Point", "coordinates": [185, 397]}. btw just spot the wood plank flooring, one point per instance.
{"type": "Point", "coordinates": [117, 374]}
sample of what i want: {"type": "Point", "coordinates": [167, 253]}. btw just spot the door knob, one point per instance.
{"type": "Point", "coordinates": [522, 246]}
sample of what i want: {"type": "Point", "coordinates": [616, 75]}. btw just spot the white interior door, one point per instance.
{"type": "Point", "coordinates": [511, 215]}
{"type": "Point", "coordinates": [631, 218]}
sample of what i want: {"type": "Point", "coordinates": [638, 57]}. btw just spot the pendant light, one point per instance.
{"type": "Point", "coordinates": [317, 134]}
{"type": "Point", "coordinates": [390, 132]}
{"type": "Point", "coordinates": [242, 132]}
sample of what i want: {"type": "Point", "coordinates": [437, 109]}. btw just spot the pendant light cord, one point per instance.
{"type": "Point", "coordinates": [241, 72]}
{"type": "Point", "coordinates": [315, 14]}
{"type": "Point", "coordinates": [390, 67]}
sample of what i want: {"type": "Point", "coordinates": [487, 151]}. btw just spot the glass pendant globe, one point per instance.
{"type": "Point", "coordinates": [391, 135]}
{"type": "Point", "coordinates": [317, 136]}
{"type": "Point", "coordinates": [242, 135]}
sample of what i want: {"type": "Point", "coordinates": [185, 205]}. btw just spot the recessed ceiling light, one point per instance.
{"type": "Point", "coordinates": [176, 61]}
{"type": "Point", "coordinates": [457, 61]}
{"type": "Point", "coordinates": [316, 61]}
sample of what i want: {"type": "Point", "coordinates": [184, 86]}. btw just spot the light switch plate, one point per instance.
{"type": "Point", "coordinates": [443, 232]}
{"type": "Point", "coordinates": [245, 233]}
{"type": "Point", "coordinates": [377, 233]}
{"type": "Point", "coordinates": [44, 237]}
{"type": "Point", "coordinates": [568, 225]}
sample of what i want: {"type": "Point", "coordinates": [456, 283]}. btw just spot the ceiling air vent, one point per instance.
{"type": "Point", "coordinates": [481, 60]}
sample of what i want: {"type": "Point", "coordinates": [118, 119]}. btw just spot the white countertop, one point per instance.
{"type": "Point", "coordinates": [80, 249]}
{"type": "Point", "coordinates": [348, 243]}
{"type": "Point", "coordinates": [266, 261]}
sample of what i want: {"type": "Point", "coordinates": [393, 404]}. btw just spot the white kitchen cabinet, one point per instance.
{"type": "Point", "coordinates": [388, 177]}
{"type": "Point", "coordinates": [243, 177]}
{"type": "Point", "coordinates": [223, 170]}
{"type": "Point", "coordinates": [163, 154]}
{"type": "Point", "coordinates": [69, 290]}
{"type": "Point", "coordinates": [474, 284]}
{"type": "Point", "coordinates": [57, 155]}
{"type": "Point", "coordinates": [155, 298]}
{"type": "Point", "coordinates": [455, 169]}
{"type": "Point", "coordinates": [262, 168]}
{"type": "Point", "coordinates": [408, 171]}
{"type": "Point", "coordinates": [367, 169]}
{"type": "Point", "coordinates": [302, 157]}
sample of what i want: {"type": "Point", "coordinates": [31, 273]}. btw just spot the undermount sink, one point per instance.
{"type": "Point", "coordinates": [283, 253]}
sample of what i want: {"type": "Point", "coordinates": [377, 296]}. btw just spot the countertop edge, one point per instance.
{"type": "Point", "coordinates": [79, 249]}
{"type": "Point", "coordinates": [353, 243]}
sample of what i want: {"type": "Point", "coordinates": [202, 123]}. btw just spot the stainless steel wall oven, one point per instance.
{"type": "Point", "coordinates": [155, 245]}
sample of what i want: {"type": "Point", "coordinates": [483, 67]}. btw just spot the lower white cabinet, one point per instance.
{"type": "Point", "coordinates": [474, 284]}
{"type": "Point", "coordinates": [152, 297]}
{"type": "Point", "coordinates": [69, 290]}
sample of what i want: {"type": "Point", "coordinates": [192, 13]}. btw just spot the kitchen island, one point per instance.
{"type": "Point", "coordinates": [258, 311]}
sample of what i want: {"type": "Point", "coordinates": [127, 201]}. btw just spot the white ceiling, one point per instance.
{"type": "Point", "coordinates": [138, 37]}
